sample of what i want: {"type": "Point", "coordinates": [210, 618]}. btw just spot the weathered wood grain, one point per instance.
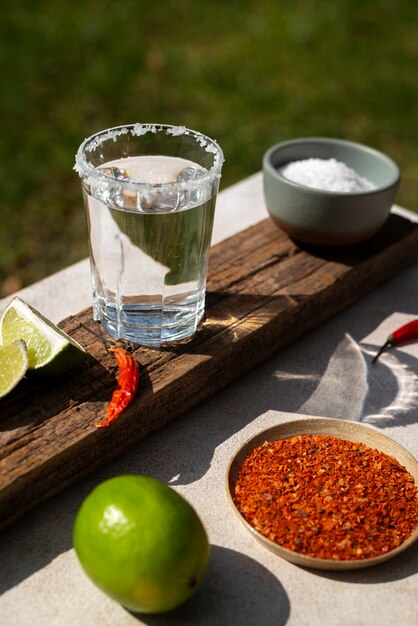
{"type": "Point", "coordinates": [263, 291]}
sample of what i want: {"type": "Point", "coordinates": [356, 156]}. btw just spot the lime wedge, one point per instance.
{"type": "Point", "coordinates": [13, 365]}
{"type": "Point", "coordinates": [50, 350]}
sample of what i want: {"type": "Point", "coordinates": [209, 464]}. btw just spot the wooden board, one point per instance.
{"type": "Point", "coordinates": [263, 291]}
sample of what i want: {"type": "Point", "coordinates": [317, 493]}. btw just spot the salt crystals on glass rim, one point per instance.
{"type": "Point", "coordinates": [326, 175]}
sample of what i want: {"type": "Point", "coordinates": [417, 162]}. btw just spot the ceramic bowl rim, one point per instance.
{"type": "Point", "coordinates": [373, 152]}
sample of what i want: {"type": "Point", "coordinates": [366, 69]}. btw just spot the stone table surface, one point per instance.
{"type": "Point", "coordinates": [327, 372]}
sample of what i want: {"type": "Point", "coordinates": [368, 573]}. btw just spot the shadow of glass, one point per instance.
{"type": "Point", "coordinates": [340, 382]}
{"type": "Point", "coordinates": [236, 590]}
{"type": "Point", "coordinates": [392, 398]}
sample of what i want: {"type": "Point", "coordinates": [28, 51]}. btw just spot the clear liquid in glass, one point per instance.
{"type": "Point", "coordinates": [149, 258]}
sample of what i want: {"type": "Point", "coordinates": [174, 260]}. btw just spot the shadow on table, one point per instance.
{"type": "Point", "coordinates": [341, 383]}
{"type": "Point", "coordinates": [227, 596]}
{"type": "Point", "coordinates": [327, 372]}
{"type": "Point", "coordinates": [38, 398]}
{"type": "Point", "coordinates": [401, 566]}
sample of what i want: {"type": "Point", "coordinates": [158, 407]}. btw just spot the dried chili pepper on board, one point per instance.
{"type": "Point", "coordinates": [127, 381]}
{"type": "Point", "coordinates": [127, 385]}
{"type": "Point", "coordinates": [404, 333]}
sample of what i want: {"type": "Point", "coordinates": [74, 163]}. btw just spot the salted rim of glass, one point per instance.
{"type": "Point", "coordinates": [87, 171]}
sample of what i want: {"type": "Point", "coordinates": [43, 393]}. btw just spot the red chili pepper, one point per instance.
{"type": "Point", "coordinates": [404, 333]}
{"type": "Point", "coordinates": [127, 385]}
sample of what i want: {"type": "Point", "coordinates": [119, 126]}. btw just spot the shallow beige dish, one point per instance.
{"type": "Point", "coordinates": [337, 428]}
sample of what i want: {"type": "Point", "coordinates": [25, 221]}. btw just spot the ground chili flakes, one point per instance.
{"type": "Point", "coordinates": [327, 497]}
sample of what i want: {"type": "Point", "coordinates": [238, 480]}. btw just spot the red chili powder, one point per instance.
{"type": "Point", "coordinates": [327, 497]}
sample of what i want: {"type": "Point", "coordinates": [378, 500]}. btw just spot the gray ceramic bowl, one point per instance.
{"type": "Point", "coordinates": [330, 218]}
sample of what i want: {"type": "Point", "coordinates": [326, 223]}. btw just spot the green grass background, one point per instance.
{"type": "Point", "coordinates": [248, 73]}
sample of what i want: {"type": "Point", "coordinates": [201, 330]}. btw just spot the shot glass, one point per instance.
{"type": "Point", "coordinates": [149, 192]}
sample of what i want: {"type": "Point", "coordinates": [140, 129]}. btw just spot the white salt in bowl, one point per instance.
{"type": "Point", "coordinates": [329, 216]}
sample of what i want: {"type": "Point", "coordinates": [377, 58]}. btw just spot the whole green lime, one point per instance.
{"type": "Point", "coordinates": [141, 542]}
